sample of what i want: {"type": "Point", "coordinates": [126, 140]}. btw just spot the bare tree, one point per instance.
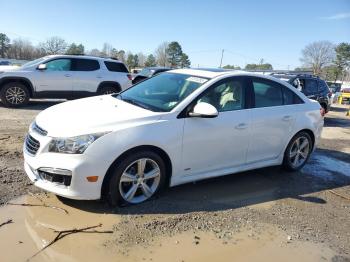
{"type": "Point", "coordinates": [107, 50]}
{"type": "Point", "coordinates": [54, 45]}
{"type": "Point", "coordinates": [161, 54]}
{"type": "Point", "coordinates": [22, 49]}
{"type": "Point", "coordinates": [317, 55]}
{"type": "Point", "coordinates": [94, 52]}
{"type": "Point", "coordinates": [142, 59]}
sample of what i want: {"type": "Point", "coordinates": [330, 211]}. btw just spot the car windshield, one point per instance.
{"type": "Point", "coordinates": [146, 72]}
{"type": "Point", "coordinates": [162, 92]}
{"type": "Point", "coordinates": [34, 62]}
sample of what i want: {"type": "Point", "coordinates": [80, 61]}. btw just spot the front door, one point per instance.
{"type": "Point", "coordinates": [215, 144]}
{"type": "Point", "coordinates": [56, 80]}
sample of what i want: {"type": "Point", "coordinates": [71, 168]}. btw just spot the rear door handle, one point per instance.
{"type": "Point", "coordinates": [241, 126]}
{"type": "Point", "coordinates": [67, 75]}
{"type": "Point", "coordinates": [287, 118]}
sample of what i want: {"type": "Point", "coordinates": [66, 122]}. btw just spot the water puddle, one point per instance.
{"type": "Point", "coordinates": [33, 228]}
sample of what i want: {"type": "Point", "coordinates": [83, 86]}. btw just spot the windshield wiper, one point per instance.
{"type": "Point", "coordinates": [136, 103]}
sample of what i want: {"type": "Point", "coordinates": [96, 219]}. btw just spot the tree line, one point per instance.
{"type": "Point", "coordinates": [326, 59]}
{"type": "Point", "coordinates": [166, 54]}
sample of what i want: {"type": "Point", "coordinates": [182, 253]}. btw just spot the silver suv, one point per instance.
{"type": "Point", "coordinates": [63, 76]}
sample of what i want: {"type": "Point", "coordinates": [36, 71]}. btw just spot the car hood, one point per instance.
{"type": "Point", "coordinates": [92, 115]}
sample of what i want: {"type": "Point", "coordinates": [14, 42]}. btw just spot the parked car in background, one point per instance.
{"type": "Point", "coordinates": [63, 76]}
{"type": "Point", "coordinates": [5, 63]}
{"type": "Point", "coordinates": [148, 72]}
{"type": "Point", "coordinates": [312, 86]}
{"type": "Point", "coordinates": [176, 127]}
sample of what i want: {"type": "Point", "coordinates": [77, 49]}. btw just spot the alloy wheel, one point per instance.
{"type": "Point", "coordinates": [15, 95]}
{"type": "Point", "coordinates": [299, 151]}
{"type": "Point", "coordinates": [139, 181]}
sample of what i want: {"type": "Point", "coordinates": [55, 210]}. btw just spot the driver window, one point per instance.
{"type": "Point", "coordinates": [59, 65]}
{"type": "Point", "coordinates": [227, 96]}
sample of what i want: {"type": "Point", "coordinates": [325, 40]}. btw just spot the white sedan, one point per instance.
{"type": "Point", "coordinates": [177, 127]}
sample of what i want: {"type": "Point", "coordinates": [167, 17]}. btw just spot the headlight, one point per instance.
{"type": "Point", "coordinates": [73, 145]}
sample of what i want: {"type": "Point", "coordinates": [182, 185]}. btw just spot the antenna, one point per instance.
{"type": "Point", "coordinates": [222, 55]}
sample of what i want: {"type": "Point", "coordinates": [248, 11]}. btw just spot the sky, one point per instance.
{"type": "Point", "coordinates": [247, 31]}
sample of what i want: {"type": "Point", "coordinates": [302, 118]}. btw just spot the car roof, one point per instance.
{"type": "Point", "coordinates": [212, 72]}
{"type": "Point", "coordinates": [87, 57]}
{"type": "Point", "coordinates": [158, 67]}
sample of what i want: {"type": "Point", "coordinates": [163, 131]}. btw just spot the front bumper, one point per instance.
{"type": "Point", "coordinates": [80, 165]}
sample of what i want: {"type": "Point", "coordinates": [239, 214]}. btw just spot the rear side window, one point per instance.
{"type": "Point", "coordinates": [310, 86]}
{"type": "Point", "coordinates": [85, 65]}
{"type": "Point", "coordinates": [267, 93]}
{"type": "Point", "coordinates": [290, 98]}
{"type": "Point", "coordinates": [322, 86]}
{"type": "Point", "coordinates": [116, 67]}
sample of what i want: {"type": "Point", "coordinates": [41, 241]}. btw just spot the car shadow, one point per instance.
{"type": "Point", "coordinates": [232, 191]}
{"type": "Point", "coordinates": [336, 122]}
{"type": "Point", "coordinates": [38, 104]}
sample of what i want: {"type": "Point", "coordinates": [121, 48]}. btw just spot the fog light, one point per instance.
{"type": "Point", "coordinates": [55, 175]}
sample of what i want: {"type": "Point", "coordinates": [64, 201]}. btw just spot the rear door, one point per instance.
{"type": "Point", "coordinates": [271, 121]}
{"type": "Point", "coordinates": [86, 74]}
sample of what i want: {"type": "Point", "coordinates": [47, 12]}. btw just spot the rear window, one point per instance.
{"type": "Point", "coordinates": [85, 65]}
{"type": "Point", "coordinates": [323, 86]}
{"type": "Point", "coordinates": [116, 67]}
{"type": "Point", "coordinates": [310, 86]}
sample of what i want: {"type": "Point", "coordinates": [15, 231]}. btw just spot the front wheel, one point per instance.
{"type": "Point", "coordinates": [14, 95]}
{"type": "Point", "coordinates": [136, 179]}
{"type": "Point", "coordinates": [297, 152]}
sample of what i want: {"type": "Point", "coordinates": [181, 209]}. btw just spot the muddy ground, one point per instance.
{"type": "Point", "coordinates": [306, 212]}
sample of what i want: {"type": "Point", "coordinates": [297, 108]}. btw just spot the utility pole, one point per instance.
{"type": "Point", "coordinates": [222, 55]}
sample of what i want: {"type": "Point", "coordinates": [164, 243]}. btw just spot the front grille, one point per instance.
{"type": "Point", "coordinates": [38, 129]}
{"type": "Point", "coordinates": [32, 145]}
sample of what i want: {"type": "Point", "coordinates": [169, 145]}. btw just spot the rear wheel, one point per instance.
{"type": "Point", "coordinates": [106, 90]}
{"type": "Point", "coordinates": [14, 94]}
{"type": "Point", "coordinates": [136, 179]}
{"type": "Point", "coordinates": [298, 151]}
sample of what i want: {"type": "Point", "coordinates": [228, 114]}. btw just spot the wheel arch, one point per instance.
{"type": "Point", "coordinates": [309, 132]}
{"type": "Point", "coordinates": [158, 150]}
{"type": "Point", "coordinates": [23, 80]}
{"type": "Point", "coordinates": [109, 83]}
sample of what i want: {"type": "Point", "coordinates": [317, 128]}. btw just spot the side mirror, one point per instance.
{"type": "Point", "coordinates": [42, 67]}
{"type": "Point", "coordinates": [204, 110]}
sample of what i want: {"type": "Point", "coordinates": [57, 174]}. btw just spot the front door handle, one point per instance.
{"type": "Point", "coordinates": [241, 126]}
{"type": "Point", "coordinates": [67, 75]}
{"type": "Point", "coordinates": [287, 118]}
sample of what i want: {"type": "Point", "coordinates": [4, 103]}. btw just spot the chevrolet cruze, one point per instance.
{"type": "Point", "coordinates": [179, 126]}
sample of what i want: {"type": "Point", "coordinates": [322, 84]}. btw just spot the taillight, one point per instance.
{"type": "Point", "coordinates": [129, 76]}
{"type": "Point", "coordinates": [322, 111]}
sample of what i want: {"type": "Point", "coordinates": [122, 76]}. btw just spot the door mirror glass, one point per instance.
{"type": "Point", "coordinates": [42, 67]}
{"type": "Point", "coordinates": [204, 110]}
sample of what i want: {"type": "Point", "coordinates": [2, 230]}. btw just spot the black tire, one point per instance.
{"type": "Point", "coordinates": [289, 160]}
{"type": "Point", "coordinates": [114, 195]}
{"type": "Point", "coordinates": [105, 90]}
{"type": "Point", "coordinates": [14, 94]}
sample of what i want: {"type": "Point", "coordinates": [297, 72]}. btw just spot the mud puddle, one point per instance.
{"type": "Point", "coordinates": [33, 228]}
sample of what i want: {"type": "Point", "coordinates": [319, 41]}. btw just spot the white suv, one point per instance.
{"type": "Point", "coordinates": [63, 76]}
{"type": "Point", "coordinates": [179, 126]}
